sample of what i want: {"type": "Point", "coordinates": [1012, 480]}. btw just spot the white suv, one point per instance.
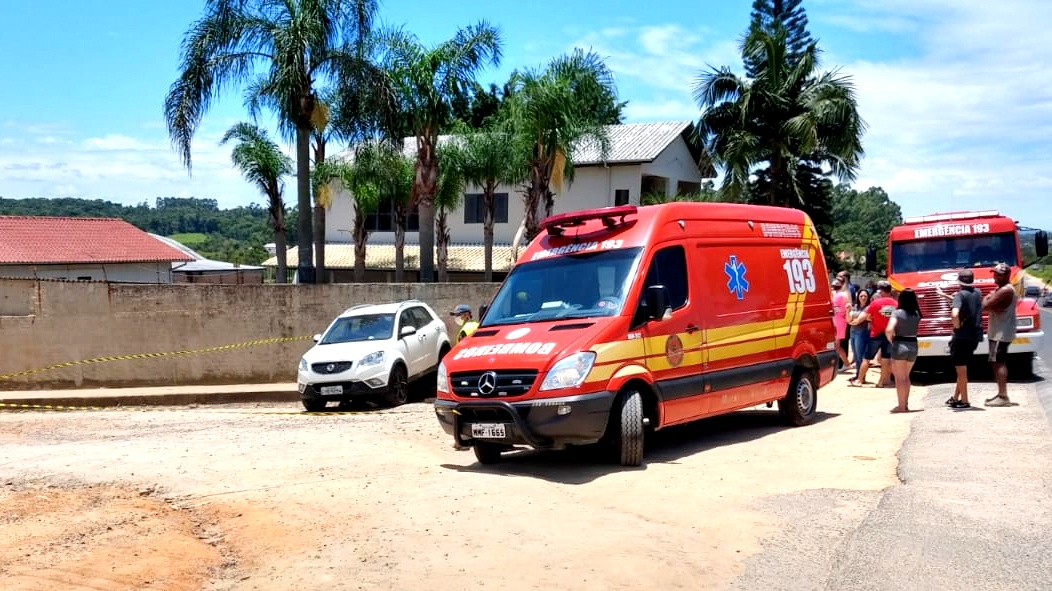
{"type": "Point", "coordinates": [372, 351]}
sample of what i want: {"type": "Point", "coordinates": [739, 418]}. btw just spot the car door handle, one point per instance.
{"type": "Point", "coordinates": [692, 328]}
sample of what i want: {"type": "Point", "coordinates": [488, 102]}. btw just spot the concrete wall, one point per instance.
{"type": "Point", "coordinates": [51, 322]}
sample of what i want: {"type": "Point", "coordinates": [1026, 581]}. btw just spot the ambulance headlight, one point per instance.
{"type": "Point", "coordinates": [569, 372]}
{"type": "Point", "coordinates": [441, 380]}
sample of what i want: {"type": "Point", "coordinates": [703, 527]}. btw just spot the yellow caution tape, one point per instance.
{"type": "Point", "coordinates": [135, 356]}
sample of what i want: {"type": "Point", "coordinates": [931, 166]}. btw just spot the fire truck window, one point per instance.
{"type": "Point", "coordinates": [669, 268]}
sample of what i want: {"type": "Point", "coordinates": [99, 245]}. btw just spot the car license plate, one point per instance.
{"type": "Point", "coordinates": [327, 390]}
{"type": "Point", "coordinates": [488, 431]}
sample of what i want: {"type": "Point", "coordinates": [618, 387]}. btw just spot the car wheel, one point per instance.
{"type": "Point", "coordinates": [798, 406]}
{"type": "Point", "coordinates": [397, 386]}
{"type": "Point", "coordinates": [487, 453]}
{"type": "Point", "coordinates": [314, 404]}
{"type": "Point", "coordinates": [631, 428]}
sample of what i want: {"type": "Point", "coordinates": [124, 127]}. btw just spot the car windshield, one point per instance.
{"type": "Point", "coordinates": [569, 286]}
{"type": "Point", "coordinates": [953, 253]}
{"type": "Point", "coordinates": [367, 327]}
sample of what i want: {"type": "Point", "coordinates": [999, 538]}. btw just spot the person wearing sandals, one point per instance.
{"type": "Point", "coordinates": [859, 334]}
{"type": "Point", "coordinates": [1000, 306]}
{"type": "Point", "coordinates": [902, 333]}
{"type": "Point", "coordinates": [967, 314]}
{"type": "Point", "coordinates": [878, 314]}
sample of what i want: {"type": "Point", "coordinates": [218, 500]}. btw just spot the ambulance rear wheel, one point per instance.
{"type": "Point", "coordinates": [631, 423]}
{"type": "Point", "coordinates": [487, 453]}
{"type": "Point", "coordinates": [798, 406]}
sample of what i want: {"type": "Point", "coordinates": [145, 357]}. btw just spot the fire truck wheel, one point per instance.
{"type": "Point", "coordinates": [487, 453]}
{"type": "Point", "coordinates": [630, 435]}
{"type": "Point", "coordinates": [798, 406]}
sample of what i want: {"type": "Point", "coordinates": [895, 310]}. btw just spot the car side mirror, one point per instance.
{"type": "Point", "coordinates": [316, 338]}
{"type": "Point", "coordinates": [1041, 243]}
{"type": "Point", "coordinates": [407, 331]}
{"type": "Point", "coordinates": [656, 297]}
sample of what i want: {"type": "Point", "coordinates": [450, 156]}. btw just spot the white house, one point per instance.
{"type": "Point", "coordinates": [644, 158]}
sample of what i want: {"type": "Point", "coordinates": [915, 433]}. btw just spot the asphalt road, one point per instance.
{"type": "Point", "coordinates": [973, 510]}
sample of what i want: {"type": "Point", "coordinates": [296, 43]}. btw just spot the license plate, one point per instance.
{"type": "Point", "coordinates": [488, 431]}
{"type": "Point", "coordinates": [1021, 341]}
{"type": "Point", "coordinates": [327, 390]}
{"type": "Point", "coordinates": [924, 345]}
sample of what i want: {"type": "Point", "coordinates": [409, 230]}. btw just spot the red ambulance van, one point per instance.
{"type": "Point", "coordinates": [622, 320]}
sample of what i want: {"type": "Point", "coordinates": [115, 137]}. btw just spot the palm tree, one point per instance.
{"type": "Point", "coordinates": [279, 51]}
{"type": "Point", "coordinates": [449, 194]}
{"type": "Point", "coordinates": [427, 79]}
{"type": "Point", "coordinates": [488, 160]}
{"type": "Point", "coordinates": [554, 111]}
{"type": "Point", "coordinates": [796, 120]}
{"type": "Point", "coordinates": [262, 163]}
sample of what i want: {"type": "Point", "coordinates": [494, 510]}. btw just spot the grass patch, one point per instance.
{"type": "Point", "coordinates": [191, 239]}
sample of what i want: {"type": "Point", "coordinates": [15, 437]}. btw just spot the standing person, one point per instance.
{"type": "Point", "coordinates": [841, 303]}
{"type": "Point", "coordinates": [859, 335]}
{"type": "Point", "coordinates": [845, 279]}
{"type": "Point", "coordinates": [878, 314]}
{"type": "Point", "coordinates": [462, 316]}
{"type": "Point", "coordinates": [967, 315]}
{"type": "Point", "coordinates": [902, 333]}
{"type": "Point", "coordinates": [1000, 306]}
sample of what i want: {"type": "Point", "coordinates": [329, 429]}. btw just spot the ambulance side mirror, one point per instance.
{"type": "Point", "coordinates": [482, 311]}
{"type": "Point", "coordinates": [1041, 243]}
{"type": "Point", "coordinates": [656, 297]}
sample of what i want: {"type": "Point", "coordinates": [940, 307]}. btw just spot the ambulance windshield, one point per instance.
{"type": "Point", "coordinates": [569, 286]}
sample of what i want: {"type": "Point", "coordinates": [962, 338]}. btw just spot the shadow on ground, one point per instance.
{"type": "Point", "coordinates": [581, 465]}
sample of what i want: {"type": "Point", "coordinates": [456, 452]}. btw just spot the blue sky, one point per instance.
{"type": "Point", "coordinates": [957, 93]}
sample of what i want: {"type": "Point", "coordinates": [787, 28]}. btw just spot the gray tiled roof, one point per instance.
{"type": "Point", "coordinates": [629, 143]}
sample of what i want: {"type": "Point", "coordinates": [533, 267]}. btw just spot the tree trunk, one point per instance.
{"type": "Point", "coordinates": [401, 217]}
{"type": "Point", "coordinates": [305, 239]}
{"type": "Point", "coordinates": [535, 195]}
{"type": "Point", "coordinates": [442, 243]}
{"type": "Point", "coordinates": [320, 272]}
{"type": "Point", "coordinates": [487, 232]}
{"type": "Point", "coordinates": [281, 252]}
{"type": "Point", "coordinates": [360, 237]}
{"type": "Point", "coordinates": [425, 180]}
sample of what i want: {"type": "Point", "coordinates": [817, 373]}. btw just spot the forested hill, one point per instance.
{"type": "Point", "coordinates": [235, 235]}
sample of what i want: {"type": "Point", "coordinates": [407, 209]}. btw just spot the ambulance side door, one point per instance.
{"type": "Point", "coordinates": [672, 343]}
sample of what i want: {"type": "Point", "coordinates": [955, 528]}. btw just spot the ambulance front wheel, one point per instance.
{"type": "Point", "coordinates": [798, 406]}
{"type": "Point", "coordinates": [487, 453]}
{"type": "Point", "coordinates": [632, 425]}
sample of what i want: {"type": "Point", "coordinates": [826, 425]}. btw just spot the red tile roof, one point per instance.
{"type": "Point", "coordinates": [54, 240]}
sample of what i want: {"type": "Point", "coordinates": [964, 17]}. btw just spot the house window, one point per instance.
{"type": "Point", "coordinates": [475, 208]}
{"type": "Point", "coordinates": [383, 219]}
{"type": "Point", "coordinates": [621, 197]}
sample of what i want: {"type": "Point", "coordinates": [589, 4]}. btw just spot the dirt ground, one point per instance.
{"type": "Point", "coordinates": [264, 497]}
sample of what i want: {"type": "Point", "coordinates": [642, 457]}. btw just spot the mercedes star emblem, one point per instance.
{"type": "Point", "coordinates": [487, 382]}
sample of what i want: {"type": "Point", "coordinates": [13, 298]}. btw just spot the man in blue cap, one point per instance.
{"type": "Point", "coordinates": [462, 316]}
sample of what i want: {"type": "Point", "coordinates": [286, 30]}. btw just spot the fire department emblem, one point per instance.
{"type": "Point", "coordinates": [674, 350]}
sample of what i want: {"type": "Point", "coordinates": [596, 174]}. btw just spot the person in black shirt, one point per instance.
{"type": "Point", "coordinates": [967, 313]}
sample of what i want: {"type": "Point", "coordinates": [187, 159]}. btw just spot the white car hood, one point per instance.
{"type": "Point", "coordinates": [353, 351]}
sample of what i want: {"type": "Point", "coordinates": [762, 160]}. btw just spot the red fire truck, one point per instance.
{"type": "Point", "coordinates": [925, 253]}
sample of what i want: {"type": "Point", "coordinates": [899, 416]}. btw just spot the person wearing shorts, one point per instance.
{"type": "Point", "coordinates": [902, 333]}
{"type": "Point", "coordinates": [1000, 306]}
{"type": "Point", "coordinates": [967, 315]}
{"type": "Point", "coordinates": [878, 314]}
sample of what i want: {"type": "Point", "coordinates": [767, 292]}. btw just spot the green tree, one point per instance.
{"type": "Point", "coordinates": [768, 15]}
{"type": "Point", "coordinates": [279, 51]}
{"type": "Point", "coordinates": [488, 160]}
{"type": "Point", "coordinates": [262, 163]}
{"type": "Point", "coordinates": [862, 220]}
{"type": "Point", "coordinates": [426, 80]}
{"type": "Point", "coordinates": [449, 195]}
{"type": "Point", "coordinates": [553, 111]}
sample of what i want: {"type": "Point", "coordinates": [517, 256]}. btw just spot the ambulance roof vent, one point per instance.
{"type": "Point", "coordinates": [557, 225]}
{"type": "Point", "coordinates": [957, 215]}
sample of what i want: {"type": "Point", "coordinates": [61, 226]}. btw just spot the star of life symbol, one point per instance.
{"type": "Point", "coordinates": [736, 281]}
